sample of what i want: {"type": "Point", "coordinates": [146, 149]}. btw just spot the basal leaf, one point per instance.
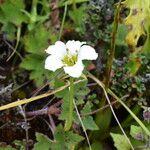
{"type": "Point", "coordinates": [137, 133]}
{"type": "Point", "coordinates": [80, 90]}
{"type": "Point", "coordinates": [103, 120]}
{"type": "Point", "coordinates": [10, 30]}
{"type": "Point", "coordinates": [43, 142]}
{"type": "Point", "coordinates": [88, 121]}
{"type": "Point", "coordinates": [35, 64]}
{"type": "Point", "coordinates": [120, 142]}
{"type": "Point", "coordinates": [65, 140]}
{"type": "Point", "coordinates": [36, 41]}
{"type": "Point", "coordinates": [7, 147]}
{"type": "Point", "coordinates": [78, 16]}
{"type": "Point", "coordinates": [11, 11]}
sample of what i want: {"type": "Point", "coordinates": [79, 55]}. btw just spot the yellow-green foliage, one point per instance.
{"type": "Point", "coordinates": [138, 22]}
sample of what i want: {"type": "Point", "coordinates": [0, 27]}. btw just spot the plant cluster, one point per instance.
{"type": "Point", "coordinates": [43, 59]}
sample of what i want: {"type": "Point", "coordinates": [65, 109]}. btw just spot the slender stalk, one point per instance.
{"type": "Point", "coordinates": [122, 103]}
{"type": "Point", "coordinates": [131, 113]}
{"type": "Point", "coordinates": [74, 5]}
{"type": "Point", "coordinates": [84, 130]}
{"type": "Point", "coordinates": [111, 51]}
{"type": "Point", "coordinates": [17, 43]}
{"type": "Point", "coordinates": [113, 112]}
{"type": "Point", "coordinates": [70, 2]}
{"type": "Point", "coordinates": [68, 122]}
{"type": "Point", "coordinates": [63, 20]}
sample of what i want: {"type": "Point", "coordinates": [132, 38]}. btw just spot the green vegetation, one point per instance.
{"type": "Point", "coordinates": [107, 108]}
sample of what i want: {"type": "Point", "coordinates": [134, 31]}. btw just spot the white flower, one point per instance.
{"type": "Point", "coordinates": [69, 56]}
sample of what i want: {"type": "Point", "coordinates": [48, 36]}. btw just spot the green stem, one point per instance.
{"type": "Point", "coordinates": [17, 43]}
{"type": "Point", "coordinates": [68, 122]}
{"type": "Point", "coordinates": [63, 20]}
{"type": "Point", "coordinates": [113, 112]}
{"type": "Point", "coordinates": [121, 102]}
{"type": "Point", "coordinates": [111, 51]}
{"type": "Point", "coordinates": [70, 2]}
{"type": "Point", "coordinates": [131, 113]}
{"type": "Point", "coordinates": [74, 5]}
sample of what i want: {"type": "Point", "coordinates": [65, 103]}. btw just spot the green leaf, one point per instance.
{"type": "Point", "coordinates": [10, 30]}
{"type": "Point", "coordinates": [78, 16]}
{"type": "Point", "coordinates": [11, 11]}
{"type": "Point", "coordinates": [80, 91]}
{"type": "Point", "coordinates": [120, 141]}
{"type": "Point", "coordinates": [147, 43]}
{"type": "Point", "coordinates": [35, 64]}
{"type": "Point", "coordinates": [33, 61]}
{"type": "Point", "coordinates": [36, 41]}
{"type": "Point", "coordinates": [88, 121]}
{"type": "Point", "coordinates": [21, 145]}
{"type": "Point", "coordinates": [65, 107]}
{"type": "Point", "coordinates": [43, 142]}
{"type": "Point", "coordinates": [103, 120]}
{"type": "Point", "coordinates": [62, 140]}
{"type": "Point", "coordinates": [121, 34]}
{"type": "Point", "coordinates": [64, 93]}
{"type": "Point", "coordinates": [137, 19]}
{"type": "Point", "coordinates": [6, 148]}
{"type": "Point", "coordinates": [139, 27]}
{"type": "Point", "coordinates": [135, 131]}
{"type": "Point", "coordinates": [133, 65]}
{"type": "Point", "coordinates": [65, 140]}
{"type": "Point", "coordinates": [97, 146]}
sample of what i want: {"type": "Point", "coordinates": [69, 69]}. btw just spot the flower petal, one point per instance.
{"type": "Point", "coordinates": [74, 46]}
{"type": "Point", "coordinates": [87, 53]}
{"type": "Point", "coordinates": [76, 70]}
{"type": "Point", "coordinates": [59, 49]}
{"type": "Point", "coordinates": [53, 63]}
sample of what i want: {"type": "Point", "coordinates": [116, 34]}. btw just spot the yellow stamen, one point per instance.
{"type": "Point", "coordinates": [70, 60]}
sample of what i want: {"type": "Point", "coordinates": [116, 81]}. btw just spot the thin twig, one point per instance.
{"type": "Point", "coordinates": [22, 111]}
{"type": "Point", "coordinates": [102, 108]}
{"type": "Point", "coordinates": [52, 110]}
{"type": "Point", "coordinates": [98, 110]}
{"type": "Point", "coordinates": [25, 101]}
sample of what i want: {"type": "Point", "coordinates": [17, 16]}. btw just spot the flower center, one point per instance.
{"type": "Point", "coordinates": [70, 60]}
